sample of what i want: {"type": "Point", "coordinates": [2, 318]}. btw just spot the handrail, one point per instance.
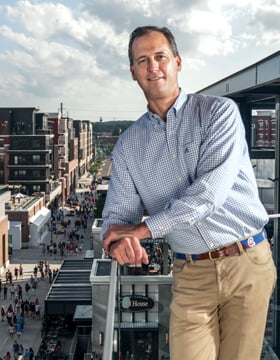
{"type": "Point", "coordinates": [268, 352]}
{"type": "Point", "coordinates": [110, 317]}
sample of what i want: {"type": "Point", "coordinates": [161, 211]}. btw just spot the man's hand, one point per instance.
{"type": "Point", "coordinates": [122, 242]}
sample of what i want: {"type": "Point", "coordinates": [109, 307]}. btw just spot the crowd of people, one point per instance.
{"type": "Point", "coordinates": [68, 233]}
{"type": "Point", "coordinates": [18, 290]}
{"type": "Point", "coordinates": [19, 301]}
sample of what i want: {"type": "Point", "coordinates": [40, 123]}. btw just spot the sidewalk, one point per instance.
{"type": "Point", "coordinates": [31, 335]}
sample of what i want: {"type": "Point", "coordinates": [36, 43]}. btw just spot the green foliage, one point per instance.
{"type": "Point", "coordinates": [99, 206]}
{"type": "Point", "coordinates": [114, 127]}
{"type": "Point", "coordinates": [96, 166]}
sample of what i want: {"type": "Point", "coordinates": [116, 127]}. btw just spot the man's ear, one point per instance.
{"type": "Point", "coordinates": [179, 62]}
{"type": "Point", "coordinates": [132, 72]}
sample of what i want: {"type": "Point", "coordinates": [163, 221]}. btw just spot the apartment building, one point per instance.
{"type": "Point", "coordinates": [4, 242]}
{"type": "Point", "coordinates": [42, 154]}
{"type": "Point", "coordinates": [264, 129]}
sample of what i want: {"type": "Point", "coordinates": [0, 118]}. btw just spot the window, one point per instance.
{"type": "Point", "coordinates": [19, 160]}
{"type": "Point", "coordinates": [22, 172]}
{"type": "Point", "coordinates": [36, 159]}
{"type": "Point", "coordinates": [36, 174]}
{"type": "Point", "coordinates": [260, 124]}
{"type": "Point", "coordinates": [36, 188]}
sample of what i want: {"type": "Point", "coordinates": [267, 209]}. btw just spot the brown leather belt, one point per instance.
{"type": "Point", "coordinates": [230, 250]}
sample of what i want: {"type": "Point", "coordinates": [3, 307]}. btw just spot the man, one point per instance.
{"type": "Point", "coordinates": [186, 163]}
{"type": "Point", "coordinates": [15, 349]}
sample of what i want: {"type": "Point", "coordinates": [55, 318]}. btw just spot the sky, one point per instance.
{"type": "Point", "coordinates": [75, 52]}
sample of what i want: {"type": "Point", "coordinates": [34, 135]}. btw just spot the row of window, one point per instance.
{"type": "Point", "coordinates": [24, 159]}
{"type": "Point", "coordinates": [28, 173]}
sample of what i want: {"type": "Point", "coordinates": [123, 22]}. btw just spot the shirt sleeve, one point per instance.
{"type": "Point", "coordinates": [123, 204]}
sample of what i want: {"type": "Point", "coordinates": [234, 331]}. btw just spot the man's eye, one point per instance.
{"type": "Point", "coordinates": [141, 61]}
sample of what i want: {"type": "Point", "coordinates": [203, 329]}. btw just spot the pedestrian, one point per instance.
{"type": "Point", "coordinates": [27, 288]}
{"type": "Point", "coordinates": [31, 354]}
{"type": "Point", "coordinates": [18, 330]}
{"type": "Point", "coordinates": [21, 271]}
{"type": "Point", "coordinates": [11, 330]}
{"type": "Point", "coordinates": [7, 356]}
{"type": "Point", "coordinates": [37, 310]}
{"type": "Point", "coordinates": [26, 354]}
{"type": "Point", "coordinates": [34, 287]}
{"type": "Point", "coordinates": [10, 315]}
{"type": "Point", "coordinates": [12, 291]}
{"type": "Point", "coordinates": [2, 313]}
{"type": "Point", "coordinates": [21, 349]}
{"type": "Point", "coordinates": [16, 272]}
{"type": "Point", "coordinates": [7, 276]}
{"type": "Point", "coordinates": [21, 320]}
{"type": "Point", "coordinates": [15, 349]}
{"type": "Point", "coordinates": [170, 163]}
{"type": "Point", "coordinates": [10, 277]}
{"type": "Point", "coordinates": [19, 291]}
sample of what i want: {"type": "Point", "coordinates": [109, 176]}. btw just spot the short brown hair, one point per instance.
{"type": "Point", "coordinates": [143, 30]}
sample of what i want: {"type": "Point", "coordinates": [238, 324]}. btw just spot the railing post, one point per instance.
{"type": "Point", "coordinates": [110, 317]}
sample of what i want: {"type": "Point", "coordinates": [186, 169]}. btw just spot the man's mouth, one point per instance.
{"type": "Point", "coordinates": [154, 78]}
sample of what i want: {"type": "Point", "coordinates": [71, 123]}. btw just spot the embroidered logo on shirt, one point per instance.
{"type": "Point", "coordinates": [251, 242]}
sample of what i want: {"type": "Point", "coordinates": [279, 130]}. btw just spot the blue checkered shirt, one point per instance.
{"type": "Point", "coordinates": [192, 174]}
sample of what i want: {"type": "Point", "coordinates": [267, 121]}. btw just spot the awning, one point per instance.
{"type": "Point", "coordinates": [83, 312]}
{"type": "Point", "coordinates": [41, 217]}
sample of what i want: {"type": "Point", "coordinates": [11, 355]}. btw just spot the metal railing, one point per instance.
{"type": "Point", "coordinates": [110, 317]}
{"type": "Point", "coordinates": [267, 352]}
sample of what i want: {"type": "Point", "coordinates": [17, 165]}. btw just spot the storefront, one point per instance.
{"type": "Point", "coordinates": [141, 314]}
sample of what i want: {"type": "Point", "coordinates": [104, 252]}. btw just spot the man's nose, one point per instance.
{"type": "Point", "coordinates": [152, 65]}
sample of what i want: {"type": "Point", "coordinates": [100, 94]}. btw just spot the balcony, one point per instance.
{"type": "Point", "coordinates": [61, 140]}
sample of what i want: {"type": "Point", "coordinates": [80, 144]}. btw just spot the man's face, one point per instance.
{"type": "Point", "coordinates": [154, 66]}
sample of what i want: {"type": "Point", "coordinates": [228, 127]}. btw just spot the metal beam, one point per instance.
{"type": "Point", "coordinates": [276, 233]}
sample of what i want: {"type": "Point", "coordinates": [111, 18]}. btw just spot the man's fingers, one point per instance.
{"type": "Point", "coordinates": [139, 251]}
{"type": "Point", "coordinates": [118, 252]}
{"type": "Point", "coordinates": [128, 250]}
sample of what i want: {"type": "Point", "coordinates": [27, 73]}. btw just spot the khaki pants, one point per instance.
{"type": "Point", "coordinates": [219, 308]}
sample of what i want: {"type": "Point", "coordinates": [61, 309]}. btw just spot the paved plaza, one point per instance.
{"type": "Point", "coordinates": [31, 335]}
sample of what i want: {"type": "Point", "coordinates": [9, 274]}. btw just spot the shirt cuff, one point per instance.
{"type": "Point", "coordinates": [159, 225]}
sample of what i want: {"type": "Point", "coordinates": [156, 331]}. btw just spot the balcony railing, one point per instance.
{"type": "Point", "coordinates": [110, 318]}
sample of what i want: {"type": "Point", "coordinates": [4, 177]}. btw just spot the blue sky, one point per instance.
{"type": "Point", "coordinates": [75, 52]}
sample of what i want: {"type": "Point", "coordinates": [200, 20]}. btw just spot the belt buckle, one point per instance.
{"type": "Point", "coordinates": [210, 254]}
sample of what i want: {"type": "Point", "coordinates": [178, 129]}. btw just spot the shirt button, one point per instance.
{"type": "Point", "coordinates": [180, 179]}
{"type": "Point", "coordinates": [174, 156]}
{"type": "Point", "coordinates": [211, 245]}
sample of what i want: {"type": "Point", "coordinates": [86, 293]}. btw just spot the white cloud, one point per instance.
{"type": "Point", "coordinates": [267, 19]}
{"type": "Point", "coordinates": [51, 49]}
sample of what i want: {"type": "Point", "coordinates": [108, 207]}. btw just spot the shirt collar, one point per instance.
{"type": "Point", "coordinates": [181, 99]}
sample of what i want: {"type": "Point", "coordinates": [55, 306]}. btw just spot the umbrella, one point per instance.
{"type": "Point", "coordinates": [18, 195]}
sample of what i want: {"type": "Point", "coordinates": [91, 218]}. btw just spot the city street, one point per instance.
{"type": "Point", "coordinates": [28, 258]}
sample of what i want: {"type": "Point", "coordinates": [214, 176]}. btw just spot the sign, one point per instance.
{"type": "Point", "coordinates": [136, 303]}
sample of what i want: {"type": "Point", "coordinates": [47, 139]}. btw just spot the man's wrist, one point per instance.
{"type": "Point", "coordinates": [143, 231]}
